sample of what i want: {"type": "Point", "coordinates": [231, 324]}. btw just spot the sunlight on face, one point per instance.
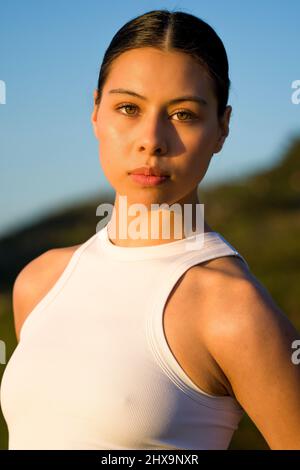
{"type": "Point", "coordinates": [131, 128]}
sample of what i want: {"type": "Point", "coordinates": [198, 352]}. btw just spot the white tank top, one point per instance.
{"type": "Point", "coordinates": [93, 369]}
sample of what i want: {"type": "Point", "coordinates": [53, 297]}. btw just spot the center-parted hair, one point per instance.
{"type": "Point", "coordinates": [172, 31]}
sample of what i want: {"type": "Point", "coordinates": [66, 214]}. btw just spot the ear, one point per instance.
{"type": "Point", "coordinates": [224, 129]}
{"type": "Point", "coordinates": [94, 115]}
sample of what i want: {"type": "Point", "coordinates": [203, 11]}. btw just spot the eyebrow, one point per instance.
{"type": "Point", "coordinates": [197, 99]}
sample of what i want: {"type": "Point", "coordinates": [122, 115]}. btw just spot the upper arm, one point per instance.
{"type": "Point", "coordinates": [251, 339]}
{"type": "Point", "coordinates": [35, 280]}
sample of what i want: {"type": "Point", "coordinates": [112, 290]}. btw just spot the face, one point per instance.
{"type": "Point", "coordinates": [147, 130]}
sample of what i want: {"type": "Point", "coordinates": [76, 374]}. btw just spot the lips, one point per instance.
{"type": "Point", "coordinates": [148, 180]}
{"type": "Point", "coordinates": [148, 171]}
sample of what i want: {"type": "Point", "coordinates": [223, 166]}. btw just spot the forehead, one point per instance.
{"type": "Point", "coordinates": [156, 72]}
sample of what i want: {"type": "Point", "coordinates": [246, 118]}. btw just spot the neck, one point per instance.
{"type": "Point", "coordinates": [156, 226]}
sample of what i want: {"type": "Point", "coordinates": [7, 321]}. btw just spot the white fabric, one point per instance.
{"type": "Point", "coordinates": [93, 369]}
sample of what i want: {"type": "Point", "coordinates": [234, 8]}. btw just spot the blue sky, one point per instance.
{"type": "Point", "coordinates": [50, 54]}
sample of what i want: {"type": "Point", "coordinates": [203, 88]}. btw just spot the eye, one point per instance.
{"type": "Point", "coordinates": [181, 112]}
{"type": "Point", "coordinates": [127, 105]}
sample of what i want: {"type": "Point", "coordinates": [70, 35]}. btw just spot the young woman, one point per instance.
{"type": "Point", "coordinates": [151, 343]}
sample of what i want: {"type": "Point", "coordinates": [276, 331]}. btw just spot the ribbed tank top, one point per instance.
{"type": "Point", "coordinates": [93, 368]}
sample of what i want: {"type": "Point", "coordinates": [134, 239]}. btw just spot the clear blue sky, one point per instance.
{"type": "Point", "coordinates": [50, 53]}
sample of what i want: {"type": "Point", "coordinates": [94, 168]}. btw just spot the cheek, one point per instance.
{"type": "Point", "coordinates": [109, 137]}
{"type": "Point", "coordinates": [196, 165]}
{"type": "Point", "coordinates": [202, 143]}
{"type": "Point", "coordinates": [110, 133]}
{"type": "Point", "coordinates": [112, 154]}
{"type": "Point", "coordinates": [199, 149]}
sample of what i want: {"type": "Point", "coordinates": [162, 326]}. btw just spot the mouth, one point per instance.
{"type": "Point", "coordinates": [148, 176]}
{"type": "Point", "coordinates": [148, 171]}
{"type": "Point", "coordinates": [148, 180]}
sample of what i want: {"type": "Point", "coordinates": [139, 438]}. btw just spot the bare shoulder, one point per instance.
{"type": "Point", "coordinates": [36, 279]}
{"type": "Point", "coordinates": [221, 290]}
{"type": "Point", "coordinates": [218, 280]}
{"type": "Point", "coordinates": [233, 295]}
{"type": "Point", "coordinates": [251, 339]}
{"type": "Point", "coordinates": [233, 301]}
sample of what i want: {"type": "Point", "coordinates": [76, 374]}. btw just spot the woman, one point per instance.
{"type": "Point", "coordinates": [151, 342]}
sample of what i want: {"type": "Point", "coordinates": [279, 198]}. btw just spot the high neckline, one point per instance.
{"type": "Point", "coordinates": [196, 241]}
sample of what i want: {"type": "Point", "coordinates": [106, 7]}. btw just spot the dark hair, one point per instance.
{"type": "Point", "coordinates": [170, 31]}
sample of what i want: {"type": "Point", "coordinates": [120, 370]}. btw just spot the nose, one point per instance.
{"type": "Point", "coordinates": [152, 140]}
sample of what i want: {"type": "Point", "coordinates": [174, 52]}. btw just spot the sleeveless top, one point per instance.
{"type": "Point", "coordinates": [93, 368]}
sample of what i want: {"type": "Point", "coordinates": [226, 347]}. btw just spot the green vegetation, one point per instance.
{"type": "Point", "coordinates": [259, 216]}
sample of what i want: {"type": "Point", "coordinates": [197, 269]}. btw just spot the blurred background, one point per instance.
{"type": "Point", "coordinates": [51, 180]}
